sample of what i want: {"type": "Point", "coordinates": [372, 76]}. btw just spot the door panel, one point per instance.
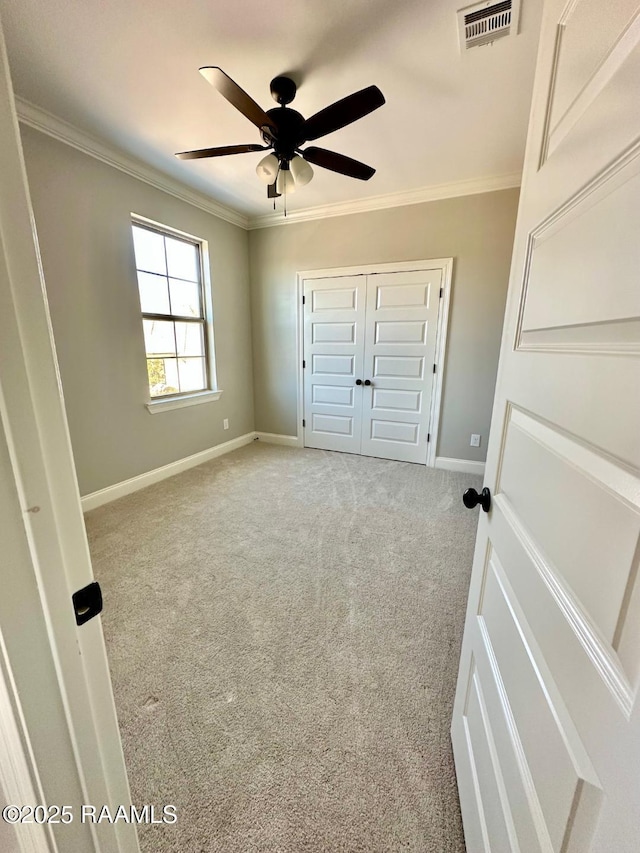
{"type": "Point", "coordinates": [391, 292]}
{"type": "Point", "coordinates": [333, 365]}
{"type": "Point", "coordinates": [398, 367]}
{"type": "Point", "coordinates": [496, 816]}
{"type": "Point", "coordinates": [380, 327]}
{"type": "Point", "coordinates": [407, 332]}
{"type": "Point", "coordinates": [538, 460]}
{"type": "Point", "coordinates": [332, 395]}
{"type": "Point", "coordinates": [518, 800]}
{"type": "Point", "coordinates": [331, 295]}
{"type": "Point", "coordinates": [334, 359]}
{"type": "Point", "coordinates": [599, 286]}
{"type": "Point", "coordinates": [334, 333]}
{"type": "Point", "coordinates": [332, 424]}
{"type": "Point", "coordinates": [581, 54]}
{"type": "Point", "coordinates": [394, 431]}
{"type": "Point", "coordinates": [400, 344]}
{"type": "Point", "coordinates": [552, 636]}
{"type": "Point", "coordinates": [388, 399]}
{"type": "Point", "coordinates": [551, 766]}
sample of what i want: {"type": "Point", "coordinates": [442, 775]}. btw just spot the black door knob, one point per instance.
{"type": "Point", "coordinates": [471, 498]}
{"type": "Point", "coordinates": [358, 381]}
{"type": "Point", "coordinates": [368, 382]}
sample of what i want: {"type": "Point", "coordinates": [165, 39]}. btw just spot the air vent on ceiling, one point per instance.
{"type": "Point", "coordinates": [485, 22]}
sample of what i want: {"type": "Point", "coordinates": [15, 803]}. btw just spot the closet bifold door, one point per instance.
{"type": "Point", "coordinates": [334, 324]}
{"type": "Point", "coordinates": [400, 341]}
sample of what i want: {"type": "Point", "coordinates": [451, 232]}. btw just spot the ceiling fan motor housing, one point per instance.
{"type": "Point", "coordinates": [283, 90]}
{"type": "Point", "coordinates": [289, 133]}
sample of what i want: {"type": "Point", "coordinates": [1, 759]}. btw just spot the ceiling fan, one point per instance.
{"type": "Point", "coordinates": [284, 130]}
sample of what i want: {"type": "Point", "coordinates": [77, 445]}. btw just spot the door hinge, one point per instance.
{"type": "Point", "coordinates": [87, 602]}
{"type": "Point", "coordinates": [434, 368]}
{"type": "Point", "coordinates": [441, 292]}
{"type": "Point", "coordinates": [428, 437]}
{"type": "Point", "coordinates": [304, 423]}
{"type": "Point", "coordinates": [304, 364]}
{"type": "Point", "coordinates": [303, 299]}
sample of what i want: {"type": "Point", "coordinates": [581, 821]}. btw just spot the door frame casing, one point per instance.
{"type": "Point", "coordinates": [19, 778]}
{"type": "Point", "coordinates": [442, 330]}
{"type": "Point", "coordinates": [81, 717]}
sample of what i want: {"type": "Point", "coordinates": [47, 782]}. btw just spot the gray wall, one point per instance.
{"type": "Point", "coordinates": [82, 209]}
{"type": "Point", "coordinates": [477, 231]}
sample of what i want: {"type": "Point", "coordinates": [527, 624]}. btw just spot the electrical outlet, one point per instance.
{"type": "Point", "coordinates": [475, 440]}
{"type": "Point", "coordinates": [225, 423]}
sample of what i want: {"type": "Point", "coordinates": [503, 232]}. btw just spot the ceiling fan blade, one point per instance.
{"type": "Point", "coordinates": [272, 192]}
{"type": "Point", "coordinates": [219, 152]}
{"type": "Point", "coordinates": [338, 163]}
{"type": "Point", "coordinates": [236, 96]}
{"type": "Point", "coordinates": [343, 112]}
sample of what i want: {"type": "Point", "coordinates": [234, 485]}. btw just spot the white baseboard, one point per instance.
{"type": "Point", "coordinates": [464, 466]}
{"type": "Point", "coordinates": [119, 490]}
{"type": "Point", "coordinates": [274, 438]}
{"type": "Point", "coordinates": [127, 487]}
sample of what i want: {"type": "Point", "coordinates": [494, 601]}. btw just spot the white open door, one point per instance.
{"type": "Point", "coordinates": [546, 725]}
{"type": "Point", "coordinates": [64, 741]}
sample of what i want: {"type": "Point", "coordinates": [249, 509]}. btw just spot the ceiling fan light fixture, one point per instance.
{"type": "Point", "coordinates": [285, 182]}
{"type": "Point", "coordinates": [301, 170]}
{"type": "Point", "coordinates": [267, 168]}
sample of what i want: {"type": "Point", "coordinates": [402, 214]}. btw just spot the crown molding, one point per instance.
{"type": "Point", "coordinates": [39, 119]}
{"type": "Point", "coordinates": [33, 116]}
{"type": "Point", "coordinates": [380, 202]}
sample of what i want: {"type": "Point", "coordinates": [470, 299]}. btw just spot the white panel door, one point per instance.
{"type": "Point", "coordinates": [546, 722]}
{"type": "Point", "coordinates": [333, 360]}
{"type": "Point", "coordinates": [400, 345]}
{"type": "Point", "coordinates": [56, 673]}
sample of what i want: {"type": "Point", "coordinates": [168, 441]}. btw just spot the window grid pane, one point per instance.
{"type": "Point", "coordinates": [169, 276]}
{"type": "Point", "coordinates": [189, 339]}
{"type": "Point", "coordinates": [159, 338]}
{"type": "Point", "coordinates": [154, 293]}
{"type": "Point", "coordinates": [149, 249]}
{"type": "Point", "coordinates": [163, 376]}
{"type": "Point", "coordinates": [191, 373]}
{"type": "Point", "coordinates": [184, 298]}
{"type": "Point", "coordinates": [182, 259]}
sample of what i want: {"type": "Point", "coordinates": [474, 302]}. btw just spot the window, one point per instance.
{"type": "Point", "coordinates": [176, 316]}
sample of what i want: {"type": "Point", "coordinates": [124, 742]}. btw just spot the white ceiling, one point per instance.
{"type": "Point", "coordinates": [126, 71]}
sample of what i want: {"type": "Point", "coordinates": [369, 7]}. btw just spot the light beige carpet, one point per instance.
{"type": "Point", "coordinates": [283, 629]}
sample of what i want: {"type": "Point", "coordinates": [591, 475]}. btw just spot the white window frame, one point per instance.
{"type": "Point", "coordinates": [212, 393]}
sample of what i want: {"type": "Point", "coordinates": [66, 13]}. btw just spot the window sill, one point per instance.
{"type": "Point", "coordinates": [161, 405]}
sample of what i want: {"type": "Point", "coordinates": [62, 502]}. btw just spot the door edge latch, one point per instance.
{"type": "Point", "coordinates": [87, 602]}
